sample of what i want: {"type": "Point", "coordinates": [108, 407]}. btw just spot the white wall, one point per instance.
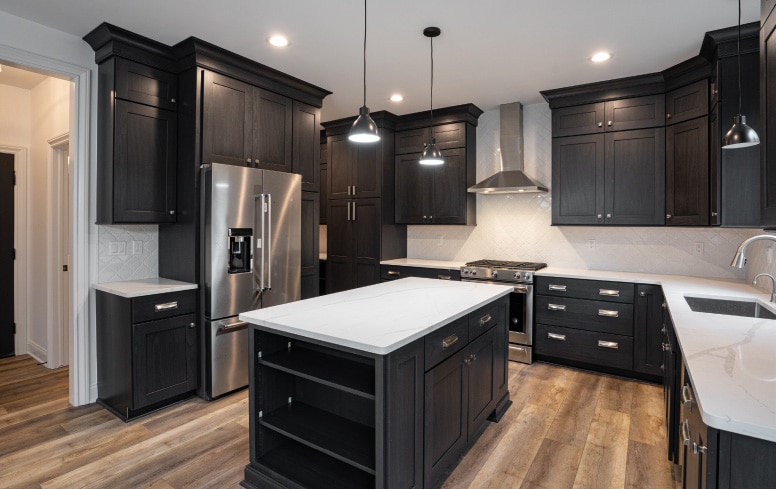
{"type": "Point", "coordinates": [15, 116]}
{"type": "Point", "coordinates": [517, 226]}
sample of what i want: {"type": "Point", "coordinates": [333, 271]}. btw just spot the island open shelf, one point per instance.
{"type": "Point", "coordinates": [327, 413]}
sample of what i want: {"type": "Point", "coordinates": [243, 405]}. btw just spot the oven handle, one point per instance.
{"type": "Point", "coordinates": [519, 288]}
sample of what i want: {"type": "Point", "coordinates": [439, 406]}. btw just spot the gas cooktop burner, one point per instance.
{"type": "Point", "coordinates": [515, 265]}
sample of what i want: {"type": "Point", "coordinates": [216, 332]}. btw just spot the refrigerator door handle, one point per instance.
{"type": "Point", "coordinates": [258, 275]}
{"type": "Point", "coordinates": [268, 244]}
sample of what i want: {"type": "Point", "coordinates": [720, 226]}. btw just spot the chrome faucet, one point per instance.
{"type": "Point", "coordinates": [740, 259]}
{"type": "Point", "coordinates": [773, 284]}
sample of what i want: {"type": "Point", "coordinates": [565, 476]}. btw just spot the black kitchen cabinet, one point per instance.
{"type": "Point", "coordinates": [146, 351]}
{"type": "Point", "coordinates": [324, 180]}
{"type": "Point", "coordinates": [687, 173]}
{"type": "Point", "coordinates": [687, 102]}
{"type": "Point", "coordinates": [432, 194]}
{"type": "Point", "coordinates": [768, 119]}
{"type": "Point", "coordinates": [647, 330]}
{"type": "Point", "coordinates": [447, 136]}
{"type": "Point", "coordinates": [310, 244]}
{"type": "Point", "coordinates": [138, 132]}
{"type": "Point", "coordinates": [355, 170]}
{"type": "Point", "coordinates": [616, 178]}
{"type": "Point", "coordinates": [246, 125]}
{"type": "Point", "coordinates": [353, 253]}
{"type": "Point", "coordinates": [306, 149]}
{"type": "Point", "coordinates": [615, 115]}
{"type": "Point", "coordinates": [392, 272]}
{"type": "Point", "coordinates": [672, 358]}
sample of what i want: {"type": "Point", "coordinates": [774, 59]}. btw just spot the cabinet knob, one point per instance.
{"type": "Point", "coordinates": [713, 214]}
{"type": "Point", "coordinates": [642, 294]}
{"type": "Point", "coordinates": [609, 123]}
{"type": "Point", "coordinates": [669, 216]}
{"type": "Point", "coordinates": [608, 216]}
{"type": "Point", "coordinates": [192, 325]}
{"type": "Point", "coordinates": [172, 212]}
{"type": "Point", "coordinates": [599, 216]}
{"type": "Point", "coordinates": [600, 124]}
{"type": "Point", "coordinates": [172, 100]}
{"type": "Point", "coordinates": [248, 162]}
{"type": "Point", "coordinates": [668, 116]}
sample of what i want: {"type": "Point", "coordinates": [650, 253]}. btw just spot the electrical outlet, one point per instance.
{"type": "Point", "coordinates": [698, 248]}
{"type": "Point", "coordinates": [137, 247]}
{"type": "Point", "coordinates": [591, 244]}
{"type": "Point", "coordinates": [117, 248]}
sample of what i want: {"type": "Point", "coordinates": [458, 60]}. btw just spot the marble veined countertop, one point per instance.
{"type": "Point", "coordinates": [416, 262]}
{"type": "Point", "coordinates": [146, 286]}
{"type": "Point", "coordinates": [378, 318]}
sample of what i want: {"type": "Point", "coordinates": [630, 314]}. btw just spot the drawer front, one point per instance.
{"type": "Point", "coordinates": [485, 318]}
{"type": "Point", "coordinates": [604, 317]}
{"type": "Point", "coordinates": [584, 346]}
{"type": "Point", "coordinates": [388, 272]}
{"type": "Point", "coordinates": [160, 306]}
{"type": "Point", "coordinates": [585, 289]}
{"type": "Point", "coordinates": [445, 341]}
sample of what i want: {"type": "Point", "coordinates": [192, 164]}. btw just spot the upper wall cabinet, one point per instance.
{"type": "Point", "coordinates": [615, 115]}
{"type": "Point", "coordinates": [768, 119]}
{"type": "Point", "coordinates": [307, 146]}
{"type": "Point", "coordinates": [138, 130]}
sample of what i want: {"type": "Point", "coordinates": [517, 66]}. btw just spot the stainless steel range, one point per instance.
{"type": "Point", "coordinates": [521, 274]}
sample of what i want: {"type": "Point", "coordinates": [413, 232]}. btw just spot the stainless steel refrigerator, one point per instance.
{"type": "Point", "coordinates": [251, 231]}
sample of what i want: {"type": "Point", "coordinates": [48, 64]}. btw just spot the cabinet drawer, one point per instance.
{"type": "Point", "coordinates": [445, 341]}
{"type": "Point", "coordinates": [485, 318]}
{"type": "Point", "coordinates": [447, 136]}
{"type": "Point", "coordinates": [603, 349]}
{"type": "Point", "coordinates": [388, 272]}
{"type": "Point", "coordinates": [585, 289]}
{"type": "Point", "coordinates": [160, 306]}
{"type": "Point", "coordinates": [146, 85]}
{"type": "Point", "coordinates": [605, 317]}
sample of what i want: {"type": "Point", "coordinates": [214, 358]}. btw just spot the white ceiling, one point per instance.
{"type": "Point", "coordinates": [490, 51]}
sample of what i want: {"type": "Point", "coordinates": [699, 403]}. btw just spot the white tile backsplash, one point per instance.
{"type": "Point", "coordinates": [517, 226]}
{"type": "Point", "coordinates": [129, 266]}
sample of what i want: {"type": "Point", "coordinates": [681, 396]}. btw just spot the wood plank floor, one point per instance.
{"type": "Point", "coordinates": [566, 429]}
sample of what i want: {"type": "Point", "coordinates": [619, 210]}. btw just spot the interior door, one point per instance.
{"type": "Point", "coordinates": [6, 255]}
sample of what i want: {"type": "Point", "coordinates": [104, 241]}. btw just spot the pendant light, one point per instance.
{"type": "Point", "coordinates": [431, 154]}
{"type": "Point", "coordinates": [364, 129]}
{"type": "Point", "coordinates": [740, 135]}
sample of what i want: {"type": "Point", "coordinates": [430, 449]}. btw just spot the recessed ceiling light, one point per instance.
{"type": "Point", "coordinates": [278, 41]}
{"type": "Point", "coordinates": [397, 97]}
{"type": "Point", "coordinates": [600, 57]}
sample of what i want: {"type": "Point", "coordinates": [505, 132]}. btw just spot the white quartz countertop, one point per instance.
{"type": "Point", "coordinates": [379, 318]}
{"type": "Point", "coordinates": [146, 286]}
{"type": "Point", "coordinates": [416, 262]}
{"type": "Point", "coordinates": [731, 359]}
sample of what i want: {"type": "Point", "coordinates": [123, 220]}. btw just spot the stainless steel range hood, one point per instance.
{"type": "Point", "coordinates": [511, 178]}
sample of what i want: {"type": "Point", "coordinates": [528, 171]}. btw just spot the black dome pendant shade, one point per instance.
{"type": "Point", "coordinates": [364, 129]}
{"type": "Point", "coordinates": [740, 135]}
{"type": "Point", "coordinates": [431, 154]}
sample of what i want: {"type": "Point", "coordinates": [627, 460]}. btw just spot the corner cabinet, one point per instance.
{"type": "Point", "coordinates": [437, 194]}
{"type": "Point", "coordinates": [137, 140]}
{"type": "Point", "coordinates": [146, 351]}
{"type": "Point", "coordinates": [364, 420]}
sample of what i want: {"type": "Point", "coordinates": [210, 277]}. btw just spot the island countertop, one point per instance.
{"type": "Point", "coordinates": [378, 318]}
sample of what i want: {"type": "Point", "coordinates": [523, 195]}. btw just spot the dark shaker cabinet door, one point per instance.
{"type": "Point", "coordinates": [366, 170]}
{"type": "Point", "coordinates": [483, 352]}
{"type": "Point", "coordinates": [580, 119]}
{"type": "Point", "coordinates": [307, 145]}
{"type": "Point", "coordinates": [647, 330]}
{"type": "Point", "coordinates": [342, 157]}
{"type": "Point", "coordinates": [768, 121]}
{"type": "Point", "coordinates": [146, 85]}
{"type": "Point", "coordinates": [310, 263]}
{"type": "Point", "coordinates": [448, 195]}
{"type": "Point", "coordinates": [145, 152]}
{"type": "Point", "coordinates": [635, 113]}
{"type": "Point", "coordinates": [164, 360]}
{"type": "Point", "coordinates": [413, 188]}
{"type": "Point", "coordinates": [227, 115]}
{"type": "Point", "coordinates": [366, 222]}
{"type": "Point", "coordinates": [272, 131]}
{"type": "Point", "coordinates": [687, 173]}
{"type": "Point", "coordinates": [339, 269]}
{"type": "Point", "coordinates": [578, 179]}
{"type": "Point", "coordinates": [687, 102]}
{"type": "Point", "coordinates": [635, 177]}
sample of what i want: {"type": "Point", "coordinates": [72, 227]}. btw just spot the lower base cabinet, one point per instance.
{"type": "Point", "coordinates": [325, 416]}
{"type": "Point", "coordinates": [146, 351]}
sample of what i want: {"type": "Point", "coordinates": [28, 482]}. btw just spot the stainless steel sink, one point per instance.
{"type": "Point", "coordinates": [729, 307]}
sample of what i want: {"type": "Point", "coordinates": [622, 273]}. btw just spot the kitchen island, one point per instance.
{"type": "Point", "coordinates": [383, 386]}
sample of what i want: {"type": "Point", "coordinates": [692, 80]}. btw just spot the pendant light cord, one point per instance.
{"type": "Point", "coordinates": [738, 47]}
{"type": "Point", "coordinates": [431, 125]}
{"type": "Point", "coordinates": [364, 53]}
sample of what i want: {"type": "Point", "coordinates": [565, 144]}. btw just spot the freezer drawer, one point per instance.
{"type": "Point", "coordinates": [229, 350]}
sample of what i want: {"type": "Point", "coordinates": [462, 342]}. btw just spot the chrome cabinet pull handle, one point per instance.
{"type": "Point", "coordinates": [609, 344]}
{"type": "Point", "coordinates": [557, 288]}
{"type": "Point", "coordinates": [444, 277]}
{"type": "Point", "coordinates": [687, 399]}
{"type": "Point", "coordinates": [449, 341]}
{"type": "Point", "coordinates": [686, 440]}
{"type": "Point", "coordinates": [394, 272]}
{"type": "Point", "coordinates": [608, 313]}
{"type": "Point", "coordinates": [485, 319]}
{"type": "Point", "coordinates": [556, 336]}
{"type": "Point", "coordinates": [556, 307]}
{"type": "Point", "coordinates": [609, 292]}
{"type": "Point", "coordinates": [166, 306]}
{"type": "Point", "coordinates": [354, 211]}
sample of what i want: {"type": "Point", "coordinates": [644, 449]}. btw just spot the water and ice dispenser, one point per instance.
{"type": "Point", "coordinates": [240, 247]}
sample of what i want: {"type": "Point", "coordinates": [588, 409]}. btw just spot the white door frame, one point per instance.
{"type": "Point", "coordinates": [21, 204]}
{"type": "Point", "coordinates": [58, 178]}
{"type": "Point", "coordinates": [84, 231]}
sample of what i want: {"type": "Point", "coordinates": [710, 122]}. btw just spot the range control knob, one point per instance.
{"type": "Point", "coordinates": [517, 275]}
{"type": "Point", "coordinates": [474, 271]}
{"type": "Point", "coordinates": [464, 271]}
{"type": "Point", "coordinates": [494, 273]}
